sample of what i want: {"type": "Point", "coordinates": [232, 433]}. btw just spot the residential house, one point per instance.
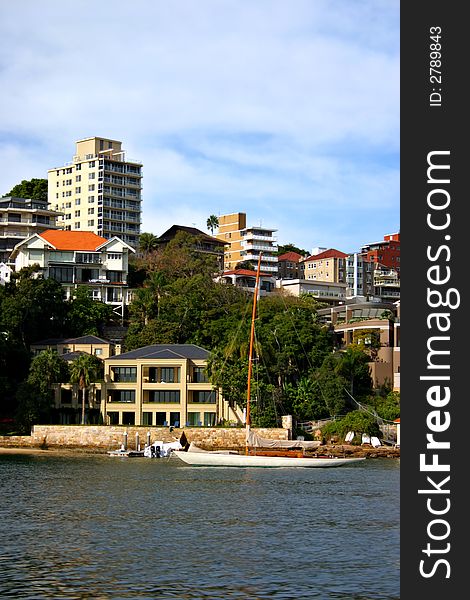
{"type": "Point", "coordinates": [329, 265]}
{"type": "Point", "coordinates": [162, 384]}
{"type": "Point", "coordinates": [80, 258]}
{"type": "Point", "coordinates": [290, 266]}
{"type": "Point", "coordinates": [382, 321]}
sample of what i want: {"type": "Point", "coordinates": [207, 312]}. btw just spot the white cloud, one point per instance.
{"type": "Point", "coordinates": [261, 106]}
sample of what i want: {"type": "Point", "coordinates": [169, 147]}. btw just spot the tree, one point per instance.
{"type": "Point", "coordinates": [36, 189]}
{"type": "Point", "coordinates": [246, 264]}
{"type": "Point", "coordinates": [283, 248]}
{"type": "Point", "coordinates": [32, 309]}
{"type": "Point", "coordinates": [35, 395]}
{"type": "Point", "coordinates": [147, 242]}
{"type": "Point", "coordinates": [85, 370]}
{"type": "Point", "coordinates": [86, 316]}
{"type": "Point", "coordinates": [212, 222]}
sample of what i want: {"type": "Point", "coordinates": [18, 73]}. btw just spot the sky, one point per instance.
{"type": "Point", "coordinates": [285, 110]}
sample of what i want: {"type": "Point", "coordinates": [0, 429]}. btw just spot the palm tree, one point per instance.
{"type": "Point", "coordinates": [212, 223]}
{"type": "Point", "coordinates": [147, 242]}
{"type": "Point", "coordinates": [85, 370]}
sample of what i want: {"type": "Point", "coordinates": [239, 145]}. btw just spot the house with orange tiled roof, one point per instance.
{"type": "Point", "coordinates": [79, 258]}
{"type": "Point", "coordinates": [289, 265]}
{"type": "Point", "coordinates": [329, 265]}
{"type": "Point", "coordinates": [246, 279]}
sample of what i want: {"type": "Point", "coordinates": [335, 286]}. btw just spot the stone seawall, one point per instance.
{"type": "Point", "coordinates": [101, 438]}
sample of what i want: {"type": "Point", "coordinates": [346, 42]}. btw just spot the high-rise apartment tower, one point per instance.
{"type": "Point", "coordinates": [99, 191]}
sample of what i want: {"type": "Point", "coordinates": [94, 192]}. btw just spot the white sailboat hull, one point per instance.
{"type": "Point", "coordinates": [219, 459]}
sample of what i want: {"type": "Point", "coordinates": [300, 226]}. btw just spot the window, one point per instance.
{"type": "Point", "coordinates": [147, 419]}
{"type": "Point", "coordinates": [91, 188]}
{"type": "Point", "coordinates": [91, 199]}
{"type": "Point", "coordinates": [91, 163]}
{"type": "Point", "coordinates": [91, 223]}
{"type": "Point", "coordinates": [167, 374]}
{"type": "Point", "coordinates": [77, 226]}
{"type": "Point", "coordinates": [91, 175]}
{"type": "Point", "coordinates": [78, 167]}
{"type": "Point", "coordinates": [91, 211]}
{"type": "Point", "coordinates": [61, 274]}
{"type": "Point", "coordinates": [78, 177]}
{"type": "Point", "coordinates": [78, 190]}
{"type": "Point", "coordinates": [164, 396]}
{"type": "Point", "coordinates": [122, 396]}
{"type": "Point", "coordinates": [114, 256]}
{"type": "Point", "coordinates": [98, 351]}
{"type": "Point", "coordinates": [209, 419]}
{"type": "Point", "coordinates": [199, 375]}
{"type": "Point", "coordinates": [77, 202]}
{"type": "Point", "coordinates": [77, 213]}
{"type": "Point", "coordinates": [205, 397]}
{"type": "Point", "coordinates": [124, 373]}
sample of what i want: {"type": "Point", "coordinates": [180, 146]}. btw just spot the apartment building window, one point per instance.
{"type": "Point", "coordinates": [91, 199]}
{"type": "Point", "coordinates": [91, 164]}
{"type": "Point", "coordinates": [199, 375]}
{"type": "Point", "coordinates": [78, 167]}
{"type": "Point", "coordinates": [68, 205]}
{"type": "Point", "coordinates": [91, 188]}
{"type": "Point", "coordinates": [77, 201]}
{"type": "Point", "coordinates": [91, 175]}
{"type": "Point", "coordinates": [122, 396]}
{"type": "Point", "coordinates": [91, 211]}
{"type": "Point", "coordinates": [68, 216]}
{"type": "Point", "coordinates": [91, 223]}
{"type": "Point", "coordinates": [77, 226]}
{"type": "Point", "coordinates": [164, 396]}
{"type": "Point", "coordinates": [78, 177]}
{"type": "Point", "coordinates": [124, 373]}
{"type": "Point", "coordinates": [58, 183]}
{"type": "Point", "coordinates": [77, 213]}
{"type": "Point", "coordinates": [68, 182]}
{"type": "Point", "coordinates": [203, 396]}
{"type": "Point", "coordinates": [78, 190]}
{"type": "Point", "coordinates": [69, 170]}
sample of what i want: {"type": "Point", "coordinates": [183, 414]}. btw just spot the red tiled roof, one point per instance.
{"type": "Point", "coordinates": [292, 256]}
{"type": "Point", "coordinates": [73, 240]}
{"type": "Point", "coordinates": [330, 253]}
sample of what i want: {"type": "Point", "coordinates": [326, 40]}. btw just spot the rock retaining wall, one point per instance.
{"type": "Point", "coordinates": [101, 438]}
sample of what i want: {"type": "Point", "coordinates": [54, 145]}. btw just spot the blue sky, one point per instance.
{"type": "Point", "coordinates": [285, 110]}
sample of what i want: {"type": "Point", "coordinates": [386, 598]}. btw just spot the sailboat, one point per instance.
{"type": "Point", "coordinates": [260, 452]}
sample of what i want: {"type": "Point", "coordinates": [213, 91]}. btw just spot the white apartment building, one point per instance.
{"type": "Point", "coordinates": [99, 191]}
{"type": "Point", "coordinates": [20, 218]}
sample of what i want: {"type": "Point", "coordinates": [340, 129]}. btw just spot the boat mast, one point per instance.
{"type": "Point", "coordinates": [252, 337]}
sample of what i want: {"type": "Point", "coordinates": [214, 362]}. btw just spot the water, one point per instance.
{"type": "Point", "coordinates": [76, 527]}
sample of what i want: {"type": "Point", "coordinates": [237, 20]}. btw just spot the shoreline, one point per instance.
{"type": "Point", "coordinates": [335, 450]}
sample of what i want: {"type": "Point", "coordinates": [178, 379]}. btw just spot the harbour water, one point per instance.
{"type": "Point", "coordinates": [97, 527]}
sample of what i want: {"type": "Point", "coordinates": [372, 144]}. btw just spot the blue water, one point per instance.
{"type": "Point", "coordinates": [97, 527]}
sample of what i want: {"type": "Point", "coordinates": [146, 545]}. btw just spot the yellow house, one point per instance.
{"type": "Point", "coordinates": [159, 385]}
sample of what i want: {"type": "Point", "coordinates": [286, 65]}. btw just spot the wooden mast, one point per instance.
{"type": "Point", "coordinates": [250, 355]}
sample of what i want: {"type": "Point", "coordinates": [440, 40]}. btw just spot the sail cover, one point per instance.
{"type": "Point", "coordinates": [256, 441]}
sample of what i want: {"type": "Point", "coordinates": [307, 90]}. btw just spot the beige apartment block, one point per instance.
{"type": "Point", "coordinates": [246, 243]}
{"type": "Point", "coordinates": [329, 265]}
{"type": "Point", "coordinates": [161, 385]}
{"type": "Point", "coordinates": [99, 191]}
